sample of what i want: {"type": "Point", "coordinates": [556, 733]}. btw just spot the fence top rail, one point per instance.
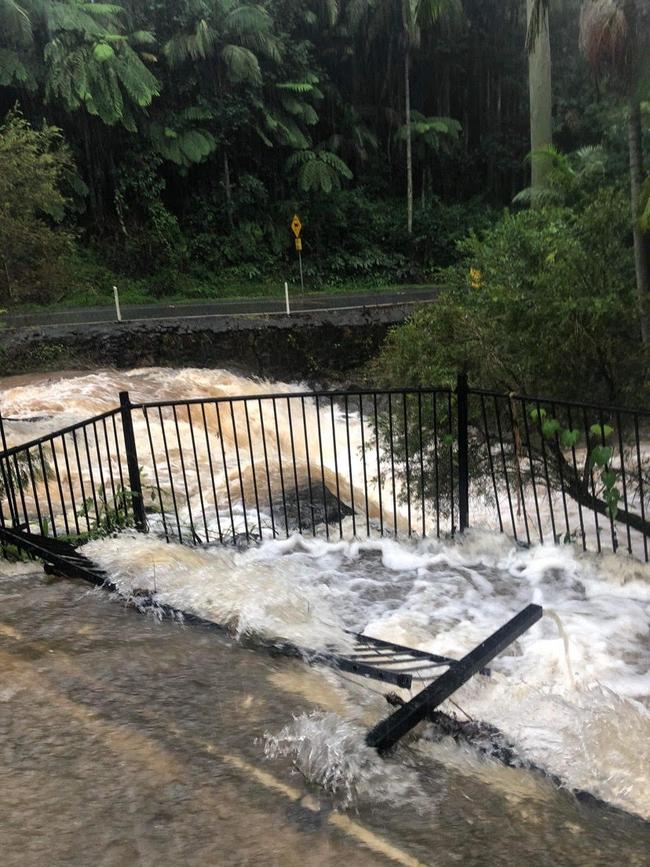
{"type": "Point", "coordinates": [57, 433]}
{"type": "Point", "coordinates": [528, 398]}
{"type": "Point", "coordinates": [284, 395]}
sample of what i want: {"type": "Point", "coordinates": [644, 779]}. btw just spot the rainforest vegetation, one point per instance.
{"type": "Point", "coordinates": [492, 147]}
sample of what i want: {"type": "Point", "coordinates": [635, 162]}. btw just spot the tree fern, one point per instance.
{"type": "Point", "coordinates": [318, 170]}
{"type": "Point", "coordinates": [241, 64]}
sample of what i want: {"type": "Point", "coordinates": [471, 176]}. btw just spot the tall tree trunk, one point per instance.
{"type": "Point", "coordinates": [409, 144]}
{"type": "Point", "coordinates": [90, 167]}
{"type": "Point", "coordinates": [228, 188]}
{"type": "Point", "coordinates": [539, 89]}
{"type": "Point", "coordinates": [641, 258]}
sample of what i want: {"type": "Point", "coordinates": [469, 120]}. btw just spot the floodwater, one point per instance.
{"type": "Point", "coordinates": [126, 740]}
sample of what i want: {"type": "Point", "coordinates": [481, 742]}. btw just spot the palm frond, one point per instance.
{"type": "Point", "coordinates": [242, 64]}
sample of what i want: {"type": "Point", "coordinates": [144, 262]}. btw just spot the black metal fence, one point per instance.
{"type": "Point", "coordinates": [357, 463]}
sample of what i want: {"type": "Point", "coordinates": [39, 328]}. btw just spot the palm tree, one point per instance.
{"type": "Point", "coordinates": [17, 40]}
{"type": "Point", "coordinates": [538, 45]}
{"type": "Point", "coordinates": [409, 19]}
{"type": "Point", "coordinates": [230, 36]}
{"type": "Point", "coordinates": [417, 15]}
{"type": "Point", "coordinates": [615, 39]}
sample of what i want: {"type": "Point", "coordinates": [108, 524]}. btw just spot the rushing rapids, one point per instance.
{"type": "Point", "coordinates": [573, 696]}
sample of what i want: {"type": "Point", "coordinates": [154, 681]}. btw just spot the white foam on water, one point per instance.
{"type": "Point", "coordinates": [331, 752]}
{"type": "Point", "coordinates": [587, 721]}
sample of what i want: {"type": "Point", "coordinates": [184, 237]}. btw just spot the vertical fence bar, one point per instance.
{"type": "Point", "coordinates": [558, 451]}
{"type": "Point", "coordinates": [576, 473]}
{"type": "Point", "coordinates": [170, 475]}
{"type": "Point", "coordinates": [504, 464]}
{"type": "Point", "coordinates": [135, 485]}
{"type": "Point", "coordinates": [225, 472]}
{"type": "Point", "coordinates": [421, 444]}
{"type": "Point", "coordinates": [532, 471]}
{"type": "Point", "coordinates": [188, 499]}
{"type": "Point", "coordinates": [406, 463]}
{"type": "Point", "coordinates": [266, 467]}
{"type": "Point", "coordinates": [46, 484]}
{"type": "Point", "coordinates": [308, 462]}
{"type": "Point", "coordinates": [75, 511]}
{"type": "Point", "coordinates": [109, 460]}
{"type": "Point", "coordinates": [279, 450]}
{"type": "Point", "coordinates": [336, 468]}
{"type": "Point", "coordinates": [463, 450]}
{"type": "Point", "coordinates": [118, 455]}
{"type": "Point", "coordinates": [363, 458]}
{"type": "Point", "coordinates": [293, 461]}
{"type": "Point", "coordinates": [253, 469]}
{"type": "Point", "coordinates": [452, 510]}
{"type": "Point", "coordinates": [214, 488]}
{"type": "Point", "coordinates": [488, 446]}
{"type": "Point", "coordinates": [39, 516]}
{"type": "Point", "coordinates": [392, 461]}
{"type": "Point", "coordinates": [347, 431]}
{"type": "Point", "coordinates": [623, 478]}
{"type": "Point", "coordinates": [239, 472]}
{"type": "Point", "coordinates": [322, 471]}
{"type": "Point", "coordinates": [640, 472]}
{"type": "Point", "coordinates": [155, 472]}
{"type": "Point", "coordinates": [197, 472]}
{"type": "Point", "coordinates": [540, 424]}
{"type": "Point", "coordinates": [434, 401]}
{"type": "Point", "coordinates": [379, 482]}
{"type": "Point", "coordinates": [589, 466]}
{"type": "Point", "coordinates": [64, 510]}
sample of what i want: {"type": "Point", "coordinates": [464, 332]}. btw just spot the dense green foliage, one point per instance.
{"type": "Point", "coordinates": [169, 144]}
{"type": "Point", "coordinates": [541, 303]}
{"type": "Point", "coordinates": [199, 127]}
{"type": "Point", "coordinates": [32, 252]}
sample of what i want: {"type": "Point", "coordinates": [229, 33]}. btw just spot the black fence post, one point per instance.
{"type": "Point", "coordinates": [133, 466]}
{"type": "Point", "coordinates": [462, 393]}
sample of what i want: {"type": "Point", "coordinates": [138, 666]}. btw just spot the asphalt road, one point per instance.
{"type": "Point", "coordinates": [135, 312]}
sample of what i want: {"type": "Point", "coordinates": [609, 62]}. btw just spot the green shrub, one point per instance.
{"type": "Point", "coordinates": [542, 302]}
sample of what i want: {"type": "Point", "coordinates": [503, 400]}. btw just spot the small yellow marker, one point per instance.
{"type": "Point", "coordinates": [298, 244]}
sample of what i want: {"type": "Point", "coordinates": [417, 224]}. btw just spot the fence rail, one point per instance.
{"type": "Point", "coordinates": [399, 462]}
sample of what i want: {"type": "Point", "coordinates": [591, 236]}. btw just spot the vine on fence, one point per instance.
{"type": "Point", "coordinates": [599, 454]}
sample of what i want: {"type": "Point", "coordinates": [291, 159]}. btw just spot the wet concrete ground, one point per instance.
{"type": "Point", "coordinates": [125, 741]}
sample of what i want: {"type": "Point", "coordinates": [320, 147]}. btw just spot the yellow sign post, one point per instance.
{"type": "Point", "coordinates": [296, 228]}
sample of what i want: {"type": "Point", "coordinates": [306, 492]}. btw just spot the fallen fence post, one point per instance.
{"type": "Point", "coordinates": [387, 732]}
{"type": "Point", "coordinates": [135, 484]}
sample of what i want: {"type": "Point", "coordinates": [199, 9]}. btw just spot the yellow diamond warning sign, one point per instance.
{"type": "Point", "coordinates": [296, 225]}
